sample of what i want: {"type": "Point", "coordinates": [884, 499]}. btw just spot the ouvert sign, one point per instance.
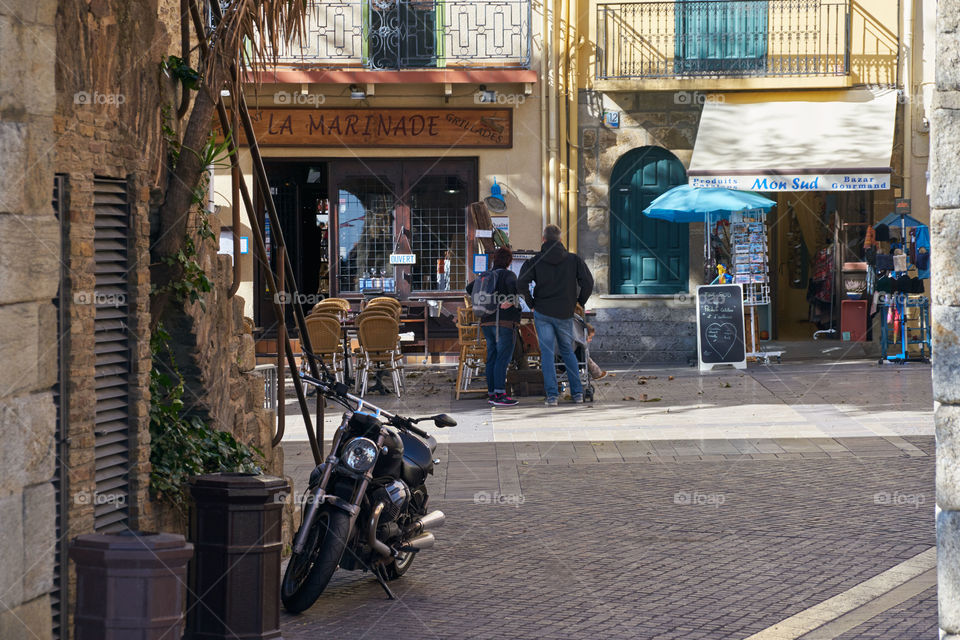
{"type": "Point", "coordinates": [386, 127]}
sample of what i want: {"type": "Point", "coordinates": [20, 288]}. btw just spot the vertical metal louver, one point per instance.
{"type": "Point", "coordinates": [58, 593]}
{"type": "Point", "coordinates": [112, 349]}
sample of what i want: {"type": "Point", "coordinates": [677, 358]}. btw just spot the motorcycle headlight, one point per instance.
{"type": "Point", "coordinates": [359, 454]}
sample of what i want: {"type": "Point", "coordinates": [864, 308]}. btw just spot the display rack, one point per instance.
{"type": "Point", "coordinates": [750, 268]}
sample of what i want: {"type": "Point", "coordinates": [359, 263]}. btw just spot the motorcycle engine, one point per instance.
{"type": "Point", "coordinates": [394, 496]}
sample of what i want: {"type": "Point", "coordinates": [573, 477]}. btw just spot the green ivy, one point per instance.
{"type": "Point", "coordinates": [194, 281]}
{"type": "Point", "coordinates": [179, 70]}
{"type": "Point", "coordinates": [182, 445]}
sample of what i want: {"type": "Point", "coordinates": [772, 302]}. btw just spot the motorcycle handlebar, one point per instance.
{"type": "Point", "coordinates": [339, 390]}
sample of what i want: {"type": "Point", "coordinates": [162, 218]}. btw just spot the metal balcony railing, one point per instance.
{"type": "Point", "coordinates": [413, 34]}
{"type": "Point", "coordinates": [723, 38]}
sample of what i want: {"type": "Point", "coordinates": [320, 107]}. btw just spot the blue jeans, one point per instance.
{"type": "Point", "coordinates": [554, 332]}
{"type": "Point", "coordinates": [499, 353]}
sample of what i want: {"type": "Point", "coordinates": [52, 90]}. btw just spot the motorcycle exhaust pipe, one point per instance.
{"type": "Point", "coordinates": [372, 540]}
{"type": "Point", "coordinates": [422, 541]}
{"type": "Point", "coordinates": [432, 520]}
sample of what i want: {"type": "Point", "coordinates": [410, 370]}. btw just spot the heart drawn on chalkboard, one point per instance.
{"type": "Point", "coordinates": [721, 337]}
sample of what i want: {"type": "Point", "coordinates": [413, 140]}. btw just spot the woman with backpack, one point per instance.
{"type": "Point", "coordinates": [494, 296]}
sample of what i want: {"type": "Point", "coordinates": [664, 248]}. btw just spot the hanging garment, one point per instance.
{"type": "Point", "coordinates": [822, 276]}
{"type": "Point", "coordinates": [923, 252]}
{"type": "Point", "coordinates": [820, 288]}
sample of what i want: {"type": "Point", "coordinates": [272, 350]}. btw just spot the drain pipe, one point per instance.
{"type": "Point", "coordinates": [906, 53]}
{"type": "Point", "coordinates": [235, 178]}
{"type": "Point", "coordinates": [544, 116]}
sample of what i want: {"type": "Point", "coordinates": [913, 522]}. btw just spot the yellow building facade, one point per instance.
{"type": "Point", "coordinates": [819, 106]}
{"type": "Point", "coordinates": [383, 124]}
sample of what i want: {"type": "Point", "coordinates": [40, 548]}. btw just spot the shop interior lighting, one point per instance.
{"type": "Point", "coordinates": [452, 185]}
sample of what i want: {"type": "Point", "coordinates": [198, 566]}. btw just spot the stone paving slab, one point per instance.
{"type": "Point", "coordinates": [855, 399]}
{"type": "Point", "coordinates": [658, 549]}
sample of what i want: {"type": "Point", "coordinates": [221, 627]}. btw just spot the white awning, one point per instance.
{"type": "Point", "coordinates": [800, 141]}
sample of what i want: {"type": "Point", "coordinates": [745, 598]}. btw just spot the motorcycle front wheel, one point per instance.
{"type": "Point", "coordinates": [308, 573]}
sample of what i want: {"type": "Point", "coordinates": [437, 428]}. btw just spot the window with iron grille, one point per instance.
{"type": "Point", "coordinates": [366, 214]}
{"type": "Point", "coordinates": [438, 225]}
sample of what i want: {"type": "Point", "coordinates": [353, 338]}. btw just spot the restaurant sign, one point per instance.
{"type": "Point", "coordinates": [387, 127]}
{"type": "Point", "coordinates": [796, 182]}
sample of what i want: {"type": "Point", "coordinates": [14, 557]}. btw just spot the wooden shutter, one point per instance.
{"type": "Point", "coordinates": [112, 349]}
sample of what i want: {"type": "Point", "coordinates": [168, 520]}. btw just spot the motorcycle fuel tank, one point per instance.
{"type": "Point", "coordinates": [417, 459]}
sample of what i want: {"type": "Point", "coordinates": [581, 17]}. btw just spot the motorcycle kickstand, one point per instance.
{"type": "Point", "coordinates": [383, 583]}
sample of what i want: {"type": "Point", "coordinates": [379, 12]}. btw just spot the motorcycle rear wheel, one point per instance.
{"type": "Point", "coordinates": [398, 566]}
{"type": "Point", "coordinates": [308, 573]}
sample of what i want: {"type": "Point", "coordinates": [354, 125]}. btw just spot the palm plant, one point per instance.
{"type": "Point", "coordinates": [236, 40]}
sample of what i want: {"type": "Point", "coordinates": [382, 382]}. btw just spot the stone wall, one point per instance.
{"type": "Point", "coordinates": [945, 236]}
{"type": "Point", "coordinates": [634, 328]}
{"type": "Point", "coordinates": [29, 274]}
{"type": "Point", "coordinates": [213, 346]}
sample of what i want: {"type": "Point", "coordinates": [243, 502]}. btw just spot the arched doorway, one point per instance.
{"type": "Point", "coordinates": [647, 256]}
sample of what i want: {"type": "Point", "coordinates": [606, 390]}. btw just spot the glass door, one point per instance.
{"type": "Point", "coordinates": [407, 207]}
{"type": "Point", "coordinates": [365, 199]}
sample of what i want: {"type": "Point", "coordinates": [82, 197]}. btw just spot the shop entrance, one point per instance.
{"type": "Point", "coordinates": [805, 261]}
{"type": "Point", "coordinates": [343, 218]}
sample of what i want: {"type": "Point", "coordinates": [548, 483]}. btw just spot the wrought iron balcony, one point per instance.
{"type": "Point", "coordinates": [723, 38]}
{"type": "Point", "coordinates": [413, 34]}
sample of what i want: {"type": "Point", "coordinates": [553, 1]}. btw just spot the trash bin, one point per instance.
{"type": "Point", "coordinates": [130, 585]}
{"type": "Point", "coordinates": [235, 527]}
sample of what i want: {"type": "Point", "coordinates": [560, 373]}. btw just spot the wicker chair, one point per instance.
{"type": "Point", "coordinates": [325, 340]}
{"type": "Point", "coordinates": [379, 337]}
{"type": "Point", "coordinates": [331, 305]}
{"type": "Point", "coordinates": [387, 311]}
{"type": "Point", "coordinates": [473, 353]}
{"type": "Point", "coordinates": [383, 307]}
{"type": "Point", "coordinates": [340, 302]}
{"type": "Point", "coordinates": [385, 300]}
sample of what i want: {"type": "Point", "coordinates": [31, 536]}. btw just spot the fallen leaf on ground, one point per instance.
{"type": "Point", "coordinates": [645, 399]}
{"type": "Point", "coordinates": [669, 377]}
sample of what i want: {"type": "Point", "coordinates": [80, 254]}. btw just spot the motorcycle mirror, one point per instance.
{"type": "Point", "coordinates": [443, 420]}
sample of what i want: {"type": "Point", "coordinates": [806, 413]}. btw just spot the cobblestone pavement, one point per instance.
{"type": "Point", "coordinates": [651, 539]}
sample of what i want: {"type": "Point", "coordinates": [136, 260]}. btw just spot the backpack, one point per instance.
{"type": "Point", "coordinates": [484, 297]}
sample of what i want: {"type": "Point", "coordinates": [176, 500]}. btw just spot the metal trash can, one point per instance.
{"type": "Point", "coordinates": [130, 585]}
{"type": "Point", "coordinates": [235, 527]}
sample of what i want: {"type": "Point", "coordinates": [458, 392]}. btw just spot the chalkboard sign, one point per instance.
{"type": "Point", "coordinates": [720, 334]}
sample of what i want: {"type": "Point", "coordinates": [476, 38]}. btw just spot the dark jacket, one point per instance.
{"type": "Point", "coordinates": [507, 290]}
{"type": "Point", "coordinates": [562, 280]}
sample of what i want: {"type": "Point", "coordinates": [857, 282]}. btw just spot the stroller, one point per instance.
{"type": "Point", "coordinates": [582, 350]}
{"type": "Point", "coordinates": [530, 347]}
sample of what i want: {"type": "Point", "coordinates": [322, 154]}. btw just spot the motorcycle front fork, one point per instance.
{"type": "Point", "coordinates": [315, 497]}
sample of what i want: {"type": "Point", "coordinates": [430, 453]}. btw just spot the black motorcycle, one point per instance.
{"type": "Point", "coordinates": [366, 506]}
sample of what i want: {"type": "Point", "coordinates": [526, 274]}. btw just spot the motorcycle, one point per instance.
{"type": "Point", "coordinates": [365, 507]}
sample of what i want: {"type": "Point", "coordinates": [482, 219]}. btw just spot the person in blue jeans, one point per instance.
{"type": "Point", "coordinates": [561, 280]}
{"type": "Point", "coordinates": [499, 329]}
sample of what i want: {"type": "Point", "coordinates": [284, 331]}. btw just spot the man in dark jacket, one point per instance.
{"type": "Point", "coordinates": [561, 280]}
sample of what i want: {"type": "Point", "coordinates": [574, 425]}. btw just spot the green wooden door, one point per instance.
{"type": "Point", "coordinates": [647, 256]}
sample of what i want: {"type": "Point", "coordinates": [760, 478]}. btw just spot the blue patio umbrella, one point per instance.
{"type": "Point", "coordinates": [689, 204]}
